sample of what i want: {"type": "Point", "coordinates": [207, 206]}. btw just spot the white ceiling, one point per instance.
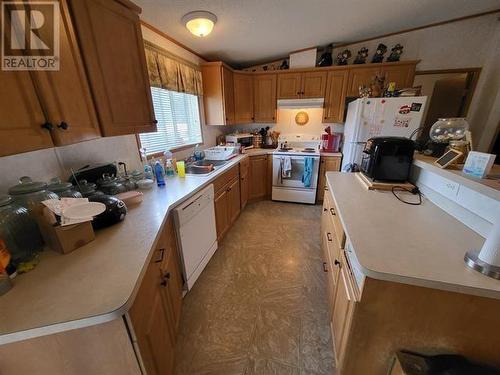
{"type": "Point", "coordinates": [253, 31]}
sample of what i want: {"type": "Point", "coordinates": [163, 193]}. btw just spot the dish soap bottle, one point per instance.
{"type": "Point", "coordinates": [159, 173]}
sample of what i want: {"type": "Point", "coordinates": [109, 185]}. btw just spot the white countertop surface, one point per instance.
{"type": "Point", "coordinates": [97, 282]}
{"type": "Point", "coordinates": [419, 245]}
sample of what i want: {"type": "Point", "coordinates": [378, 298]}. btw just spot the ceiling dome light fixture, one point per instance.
{"type": "Point", "coordinates": [199, 22]}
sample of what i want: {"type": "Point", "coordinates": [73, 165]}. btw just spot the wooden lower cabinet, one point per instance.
{"type": "Point", "coordinates": [327, 164]}
{"type": "Point", "coordinates": [258, 188]}
{"type": "Point", "coordinates": [155, 314]}
{"type": "Point", "coordinates": [227, 200]}
{"type": "Point", "coordinates": [244, 182]}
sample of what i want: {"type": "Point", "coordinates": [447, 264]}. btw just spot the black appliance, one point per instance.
{"type": "Point", "coordinates": [388, 158]}
{"type": "Point", "coordinates": [115, 210]}
{"type": "Point", "coordinates": [92, 173]}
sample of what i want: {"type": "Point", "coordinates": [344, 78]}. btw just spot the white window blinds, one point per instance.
{"type": "Point", "coordinates": [178, 117]}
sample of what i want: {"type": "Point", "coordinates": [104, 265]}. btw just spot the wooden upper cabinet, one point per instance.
{"type": "Point", "coordinates": [361, 76]}
{"type": "Point", "coordinates": [401, 74]}
{"type": "Point", "coordinates": [289, 85]}
{"type": "Point", "coordinates": [21, 115]}
{"type": "Point", "coordinates": [243, 98]}
{"type": "Point", "coordinates": [65, 94]}
{"type": "Point", "coordinates": [228, 94]}
{"type": "Point", "coordinates": [313, 84]}
{"type": "Point", "coordinates": [264, 102]}
{"type": "Point", "coordinates": [335, 96]}
{"type": "Point", "coordinates": [109, 34]}
{"type": "Point", "coordinates": [218, 94]}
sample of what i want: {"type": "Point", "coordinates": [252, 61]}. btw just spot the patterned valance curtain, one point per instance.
{"type": "Point", "coordinates": [170, 72]}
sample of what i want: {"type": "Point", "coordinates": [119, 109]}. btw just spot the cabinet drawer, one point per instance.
{"type": "Point", "coordinates": [339, 229]}
{"type": "Point", "coordinates": [226, 178]}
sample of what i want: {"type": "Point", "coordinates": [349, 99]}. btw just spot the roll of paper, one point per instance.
{"type": "Point", "coordinates": [490, 252]}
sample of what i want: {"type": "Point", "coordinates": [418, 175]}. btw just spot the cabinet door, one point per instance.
{"type": "Point", "coordinates": [313, 84]}
{"type": "Point", "coordinates": [221, 213]}
{"type": "Point", "coordinates": [336, 90]}
{"type": "Point", "coordinates": [233, 196]}
{"type": "Point", "coordinates": [228, 94]}
{"type": "Point", "coordinates": [258, 173]}
{"type": "Point", "coordinates": [243, 190]}
{"type": "Point", "coordinates": [65, 94]}
{"type": "Point", "coordinates": [264, 91]}
{"type": "Point", "coordinates": [289, 85]}
{"type": "Point", "coordinates": [360, 76]}
{"type": "Point", "coordinates": [327, 164]}
{"type": "Point", "coordinates": [401, 74]}
{"type": "Point", "coordinates": [151, 323]}
{"type": "Point", "coordinates": [21, 116]}
{"type": "Point", "coordinates": [243, 98]}
{"type": "Point", "coordinates": [111, 41]}
{"type": "Point", "coordinates": [343, 308]}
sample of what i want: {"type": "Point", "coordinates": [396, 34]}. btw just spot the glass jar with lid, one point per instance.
{"type": "Point", "coordinates": [29, 194]}
{"type": "Point", "coordinates": [63, 189]}
{"type": "Point", "coordinates": [87, 189]}
{"type": "Point", "coordinates": [110, 185]}
{"type": "Point", "coordinates": [19, 230]}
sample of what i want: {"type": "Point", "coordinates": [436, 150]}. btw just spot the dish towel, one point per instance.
{"type": "Point", "coordinates": [308, 167]}
{"type": "Point", "coordinates": [286, 167]}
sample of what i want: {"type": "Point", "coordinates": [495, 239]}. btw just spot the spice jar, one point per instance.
{"type": "Point", "coordinates": [63, 189]}
{"type": "Point", "coordinates": [19, 230]}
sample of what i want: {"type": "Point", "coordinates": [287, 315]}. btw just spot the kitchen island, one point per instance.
{"type": "Point", "coordinates": [397, 280]}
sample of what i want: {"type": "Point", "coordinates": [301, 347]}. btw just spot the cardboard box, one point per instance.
{"type": "Point", "coordinates": [68, 238]}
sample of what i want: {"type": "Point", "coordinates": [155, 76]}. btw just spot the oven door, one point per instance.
{"type": "Point", "coordinates": [294, 180]}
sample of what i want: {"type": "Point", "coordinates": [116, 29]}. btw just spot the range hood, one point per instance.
{"type": "Point", "coordinates": [300, 103]}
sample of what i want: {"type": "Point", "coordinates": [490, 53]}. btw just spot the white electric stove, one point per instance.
{"type": "Point", "coordinates": [290, 182]}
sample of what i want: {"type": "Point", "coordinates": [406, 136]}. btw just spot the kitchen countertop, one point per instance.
{"type": "Point", "coordinates": [487, 186]}
{"type": "Point", "coordinates": [418, 245]}
{"type": "Point", "coordinates": [97, 282]}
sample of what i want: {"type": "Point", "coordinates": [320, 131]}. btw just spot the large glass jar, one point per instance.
{"type": "Point", "coordinates": [110, 185]}
{"type": "Point", "coordinates": [63, 189]}
{"type": "Point", "coordinates": [19, 230]}
{"type": "Point", "coordinates": [87, 189]}
{"type": "Point", "coordinates": [445, 130]}
{"type": "Point", "coordinates": [30, 193]}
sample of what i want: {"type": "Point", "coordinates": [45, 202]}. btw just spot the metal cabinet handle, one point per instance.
{"type": "Point", "coordinates": [336, 262]}
{"type": "Point", "coordinates": [325, 268]}
{"type": "Point", "coordinates": [325, 209]}
{"type": "Point", "coordinates": [63, 125]}
{"type": "Point", "coordinates": [47, 126]}
{"type": "Point", "coordinates": [167, 275]}
{"type": "Point", "coordinates": [329, 236]}
{"type": "Point", "coordinates": [163, 283]}
{"type": "Point", "coordinates": [162, 253]}
{"type": "Point", "coordinates": [332, 211]}
{"type": "Point", "coordinates": [155, 122]}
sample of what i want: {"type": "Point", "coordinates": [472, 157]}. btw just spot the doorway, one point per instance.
{"type": "Point", "coordinates": [449, 94]}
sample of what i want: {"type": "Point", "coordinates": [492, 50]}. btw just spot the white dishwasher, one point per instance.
{"type": "Point", "coordinates": [196, 232]}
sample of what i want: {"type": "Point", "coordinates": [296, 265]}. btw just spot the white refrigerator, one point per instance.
{"type": "Point", "coordinates": [378, 117]}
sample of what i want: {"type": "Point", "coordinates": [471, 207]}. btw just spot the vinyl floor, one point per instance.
{"type": "Point", "coordinates": [260, 306]}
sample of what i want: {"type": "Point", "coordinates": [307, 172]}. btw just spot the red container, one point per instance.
{"type": "Point", "coordinates": [330, 142]}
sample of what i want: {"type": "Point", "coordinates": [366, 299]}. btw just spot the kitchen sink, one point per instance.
{"type": "Point", "coordinates": [202, 167]}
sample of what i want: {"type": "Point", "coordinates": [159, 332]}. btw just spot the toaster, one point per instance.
{"type": "Point", "coordinates": [388, 159]}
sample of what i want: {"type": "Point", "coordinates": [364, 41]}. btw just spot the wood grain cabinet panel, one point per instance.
{"type": "Point", "coordinates": [289, 85]}
{"type": "Point", "coordinates": [258, 177]}
{"type": "Point", "coordinates": [243, 98]}
{"type": "Point", "coordinates": [244, 182]}
{"type": "Point", "coordinates": [402, 75]}
{"type": "Point", "coordinates": [109, 34]}
{"type": "Point", "coordinates": [234, 200]}
{"type": "Point", "coordinates": [21, 115]}
{"type": "Point", "coordinates": [65, 94]}
{"type": "Point", "coordinates": [361, 76]}
{"type": "Point", "coordinates": [228, 95]}
{"type": "Point", "coordinates": [264, 90]}
{"type": "Point", "coordinates": [336, 89]}
{"type": "Point", "coordinates": [218, 94]}
{"type": "Point", "coordinates": [313, 84]}
{"type": "Point", "coordinates": [221, 213]}
{"type": "Point", "coordinates": [326, 164]}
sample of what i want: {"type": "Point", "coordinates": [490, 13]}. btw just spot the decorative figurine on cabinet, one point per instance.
{"type": "Point", "coordinates": [343, 56]}
{"type": "Point", "coordinates": [364, 91]}
{"type": "Point", "coordinates": [377, 86]}
{"type": "Point", "coordinates": [396, 53]}
{"type": "Point", "coordinates": [326, 58]}
{"type": "Point", "coordinates": [379, 53]}
{"type": "Point", "coordinates": [361, 57]}
{"type": "Point", "coordinates": [284, 65]}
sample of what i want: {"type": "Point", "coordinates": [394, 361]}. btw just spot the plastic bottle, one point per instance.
{"type": "Point", "coordinates": [160, 174]}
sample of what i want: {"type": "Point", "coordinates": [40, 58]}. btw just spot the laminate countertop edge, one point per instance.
{"type": "Point", "coordinates": [120, 310]}
{"type": "Point", "coordinates": [411, 273]}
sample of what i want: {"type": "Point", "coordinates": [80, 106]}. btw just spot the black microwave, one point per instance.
{"type": "Point", "coordinates": [388, 159]}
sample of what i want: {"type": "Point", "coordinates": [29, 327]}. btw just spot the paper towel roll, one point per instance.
{"type": "Point", "coordinates": [490, 252]}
